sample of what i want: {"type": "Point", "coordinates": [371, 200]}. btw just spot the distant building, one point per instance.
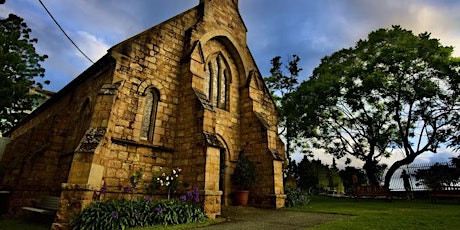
{"type": "Point", "coordinates": [42, 96]}
{"type": "Point", "coordinates": [185, 93]}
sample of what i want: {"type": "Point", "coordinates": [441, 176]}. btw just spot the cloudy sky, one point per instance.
{"type": "Point", "coordinates": [309, 28]}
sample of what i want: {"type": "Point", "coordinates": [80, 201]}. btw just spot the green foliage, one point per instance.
{"type": "Point", "coordinates": [281, 87]}
{"type": "Point", "coordinates": [378, 215]}
{"type": "Point", "coordinates": [438, 175]}
{"type": "Point", "coordinates": [122, 214]}
{"type": "Point", "coordinates": [317, 177]}
{"type": "Point", "coordinates": [136, 178]}
{"type": "Point", "coordinates": [244, 174]}
{"type": "Point", "coordinates": [393, 90]}
{"type": "Point", "coordinates": [296, 197]}
{"type": "Point", "coordinates": [19, 64]}
{"type": "Point", "coordinates": [347, 177]}
{"type": "Point", "coordinates": [170, 181]}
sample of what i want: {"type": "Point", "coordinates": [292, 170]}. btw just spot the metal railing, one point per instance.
{"type": "Point", "coordinates": [397, 184]}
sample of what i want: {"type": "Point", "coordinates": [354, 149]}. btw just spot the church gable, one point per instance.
{"type": "Point", "coordinates": [185, 93]}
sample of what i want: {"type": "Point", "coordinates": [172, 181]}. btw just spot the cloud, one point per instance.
{"type": "Point", "coordinates": [311, 29]}
{"type": "Point", "coordinates": [95, 47]}
{"type": "Point", "coordinates": [443, 155]}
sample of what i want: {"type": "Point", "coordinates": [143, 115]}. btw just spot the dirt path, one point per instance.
{"type": "Point", "coordinates": [249, 218]}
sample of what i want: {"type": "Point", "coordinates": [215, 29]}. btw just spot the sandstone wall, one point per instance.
{"type": "Point", "coordinates": [38, 158]}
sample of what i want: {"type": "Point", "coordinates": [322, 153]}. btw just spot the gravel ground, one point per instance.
{"type": "Point", "coordinates": [249, 218]}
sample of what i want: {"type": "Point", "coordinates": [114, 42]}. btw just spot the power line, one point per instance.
{"type": "Point", "coordinates": [49, 13]}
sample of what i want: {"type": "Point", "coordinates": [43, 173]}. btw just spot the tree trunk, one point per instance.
{"type": "Point", "coordinates": [371, 170]}
{"type": "Point", "coordinates": [409, 159]}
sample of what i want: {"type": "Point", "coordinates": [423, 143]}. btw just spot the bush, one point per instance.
{"type": "Point", "coordinates": [296, 197]}
{"type": "Point", "coordinates": [122, 214]}
{"type": "Point", "coordinates": [437, 176]}
{"type": "Point", "coordinates": [245, 172]}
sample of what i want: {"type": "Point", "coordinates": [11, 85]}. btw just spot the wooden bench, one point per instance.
{"type": "Point", "coordinates": [447, 192]}
{"type": "Point", "coordinates": [371, 190]}
{"type": "Point", "coordinates": [47, 205]}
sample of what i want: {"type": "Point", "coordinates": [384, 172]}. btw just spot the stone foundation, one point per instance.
{"type": "Point", "coordinates": [74, 198]}
{"type": "Point", "coordinates": [212, 203]}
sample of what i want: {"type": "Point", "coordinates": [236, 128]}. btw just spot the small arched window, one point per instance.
{"type": "Point", "coordinates": [217, 77]}
{"type": "Point", "coordinates": [152, 97]}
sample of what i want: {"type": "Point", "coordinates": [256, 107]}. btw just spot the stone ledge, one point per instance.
{"type": "Point", "coordinates": [141, 144]}
{"type": "Point", "coordinates": [87, 187]}
{"type": "Point", "coordinates": [211, 192]}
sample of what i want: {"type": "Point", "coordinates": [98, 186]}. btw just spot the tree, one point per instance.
{"type": "Point", "coordinates": [347, 177]}
{"type": "Point", "coordinates": [394, 90]}
{"type": "Point", "coordinates": [439, 175]}
{"type": "Point", "coordinates": [281, 87]}
{"type": "Point", "coordinates": [20, 65]}
{"type": "Point", "coordinates": [317, 177]}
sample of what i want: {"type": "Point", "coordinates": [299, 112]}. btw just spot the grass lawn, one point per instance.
{"type": "Point", "coordinates": [362, 214]}
{"type": "Point", "coordinates": [181, 226]}
{"type": "Point", "coordinates": [29, 224]}
{"type": "Point", "coordinates": [23, 224]}
{"type": "Point", "coordinates": [380, 214]}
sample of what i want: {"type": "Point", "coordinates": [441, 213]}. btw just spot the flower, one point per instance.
{"type": "Point", "coordinates": [193, 196]}
{"type": "Point", "coordinates": [114, 215]}
{"type": "Point", "coordinates": [168, 180]}
{"type": "Point", "coordinates": [159, 210]}
{"type": "Point", "coordinates": [197, 195]}
{"type": "Point", "coordinates": [149, 199]}
{"type": "Point", "coordinates": [190, 194]}
{"type": "Point", "coordinates": [138, 214]}
{"type": "Point", "coordinates": [103, 190]}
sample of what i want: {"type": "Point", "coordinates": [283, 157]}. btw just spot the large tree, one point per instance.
{"type": "Point", "coordinates": [20, 65]}
{"type": "Point", "coordinates": [281, 85]}
{"type": "Point", "coordinates": [394, 90]}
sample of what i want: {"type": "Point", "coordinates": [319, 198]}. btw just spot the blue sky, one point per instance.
{"type": "Point", "coordinates": [309, 28]}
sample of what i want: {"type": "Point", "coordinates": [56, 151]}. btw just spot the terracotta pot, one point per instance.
{"type": "Point", "coordinates": [241, 198]}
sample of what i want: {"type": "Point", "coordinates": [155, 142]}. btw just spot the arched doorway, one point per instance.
{"type": "Point", "coordinates": [224, 172]}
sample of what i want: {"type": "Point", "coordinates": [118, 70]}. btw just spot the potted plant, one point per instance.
{"type": "Point", "coordinates": [243, 177]}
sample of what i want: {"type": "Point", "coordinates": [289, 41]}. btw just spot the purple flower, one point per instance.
{"type": "Point", "coordinates": [190, 194]}
{"type": "Point", "coordinates": [197, 195]}
{"type": "Point", "coordinates": [127, 189]}
{"type": "Point", "coordinates": [299, 190]}
{"type": "Point", "coordinates": [114, 215]}
{"type": "Point", "coordinates": [183, 198]}
{"type": "Point", "coordinates": [138, 214]}
{"type": "Point", "coordinates": [159, 210]}
{"type": "Point", "coordinates": [103, 190]}
{"type": "Point", "coordinates": [149, 199]}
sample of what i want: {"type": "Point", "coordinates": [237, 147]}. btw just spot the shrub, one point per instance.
{"type": "Point", "coordinates": [122, 214]}
{"type": "Point", "coordinates": [296, 197]}
{"type": "Point", "coordinates": [244, 174]}
{"type": "Point", "coordinates": [438, 175]}
{"type": "Point", "coordinates": [165, 180]}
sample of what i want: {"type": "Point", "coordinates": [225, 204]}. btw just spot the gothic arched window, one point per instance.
{"type": "Point", "coordinates": [152, 97]}
{"type": "Point", "coordinates": [217, 80]}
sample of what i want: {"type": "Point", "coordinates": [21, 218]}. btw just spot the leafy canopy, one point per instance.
{"type": "Point", "coordinates": [281, 86]}
{"type": "Point", "coordinates": [394, 90]}
{"type": "Point", "coordinates": [20, 65]}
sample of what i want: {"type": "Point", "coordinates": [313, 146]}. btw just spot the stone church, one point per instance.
{"type": "Point", "coordinates": [185, 93]}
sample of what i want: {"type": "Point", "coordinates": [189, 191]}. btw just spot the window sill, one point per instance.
{"type": "Point", "coordinates": [141, 144]}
